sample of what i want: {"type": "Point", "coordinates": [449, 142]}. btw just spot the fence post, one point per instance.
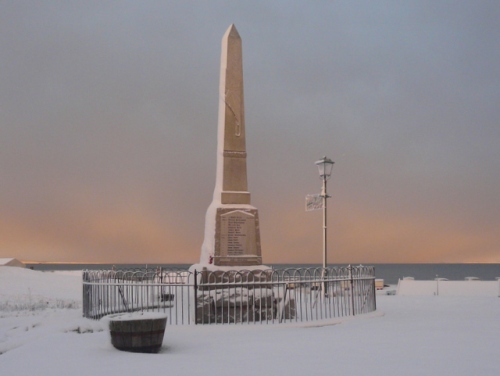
{"type": "Point", "coordinates": [352, 289]}
{"type": "Point", "coordinates": [374, 296]}
{"type": "Point", "coordinates": [85, 294]}
{"type": "Point", "coordinates": [195, 285]}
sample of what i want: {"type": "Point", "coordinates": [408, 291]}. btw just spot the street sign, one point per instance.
{"type": "Point", "coordinates": [314, 202]}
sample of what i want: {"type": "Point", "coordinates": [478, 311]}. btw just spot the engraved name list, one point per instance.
{"type": "Point", "coordinates": [236, 229]}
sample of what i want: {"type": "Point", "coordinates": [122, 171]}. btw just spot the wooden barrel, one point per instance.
{"type": "Point", "coordinates": [137, 332]}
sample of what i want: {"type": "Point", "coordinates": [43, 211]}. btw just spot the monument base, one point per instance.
{"type": "Point", "coordinates": [233, 294]}
{"type": "Point", "coordinates": [232, 236]}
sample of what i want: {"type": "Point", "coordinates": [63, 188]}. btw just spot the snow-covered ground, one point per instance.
{"type": "Point", "coordinates": [42, 332]}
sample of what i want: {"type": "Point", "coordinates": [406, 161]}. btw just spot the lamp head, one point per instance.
{"type": "Point", "coordinates": [325, 166]}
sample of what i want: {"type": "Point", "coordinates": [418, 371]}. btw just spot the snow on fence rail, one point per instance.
{"type": "Point", "coordinates": [223, 297]}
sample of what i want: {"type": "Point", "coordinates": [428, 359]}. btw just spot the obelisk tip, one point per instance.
{"type": "Point", "coordinates": [232, 32]}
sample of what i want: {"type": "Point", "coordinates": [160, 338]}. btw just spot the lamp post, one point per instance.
{"type": "Point", "coordinates": [325, 166]}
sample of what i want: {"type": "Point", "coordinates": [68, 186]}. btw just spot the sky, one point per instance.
{"type": "Point", "coordinates": [108, 128]}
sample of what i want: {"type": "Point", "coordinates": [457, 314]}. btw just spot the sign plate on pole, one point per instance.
{"type": "Point", "coordinates": [314, 202]}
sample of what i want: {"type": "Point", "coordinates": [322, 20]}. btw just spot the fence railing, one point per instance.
{"type": "Point", "coordinates": [223, 297]}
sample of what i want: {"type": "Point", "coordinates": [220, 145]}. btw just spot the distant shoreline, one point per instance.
{"type": "Point", "coordinates": [276, 263]}
{"type": "Point", "coordinates": [390, 273]}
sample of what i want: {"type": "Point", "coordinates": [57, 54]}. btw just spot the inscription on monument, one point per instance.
{"type": "Point", "coordinates": [237, 237]}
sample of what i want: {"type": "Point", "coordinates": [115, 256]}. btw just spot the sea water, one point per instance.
{"type": "Point", "coordinates": [390, 273]}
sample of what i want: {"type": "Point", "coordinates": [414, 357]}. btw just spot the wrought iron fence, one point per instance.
{"type": "Point", "coordinates": [222, 297]}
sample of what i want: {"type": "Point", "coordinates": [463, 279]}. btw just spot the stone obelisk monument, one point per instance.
{"type": "Point", "coordinates": [232, 236]}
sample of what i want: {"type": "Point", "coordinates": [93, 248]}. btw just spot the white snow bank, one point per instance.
{"type": "Point", "coordinates": [449, 288]}
{"type": "Point", "coordinates": [29, 290]}
{"type": "Point", "coordinates": [61, 285]}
